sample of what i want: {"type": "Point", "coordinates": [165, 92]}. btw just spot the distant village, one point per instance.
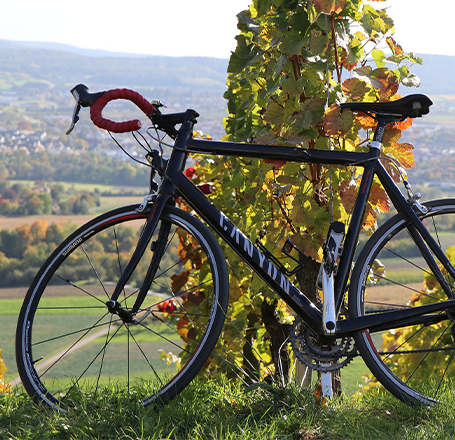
{"type": "Point", "coordinates": [30, 142]}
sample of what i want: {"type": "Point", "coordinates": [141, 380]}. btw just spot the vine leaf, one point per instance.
{"type": "Point", "coordinates": [379, 198]}
{"type": "Point", "coordinates": [388, 83]}
{"type": "Point", "coordinates": [336, 122]}
{"type": "Point", "coordinates": [402, 152]}
{"type": "Point", "coordinates": [394, 46]}
{"type": "Point", "coordinates": [178, 281]}
{"type": "Point", "coordinates": [348, 194]}
{"type": "Point", "coordinates": [329, 6]}
{"type": "Point", "coordinates": [355, 89]}
{"type": "Point", "coordinates": [369, 221]}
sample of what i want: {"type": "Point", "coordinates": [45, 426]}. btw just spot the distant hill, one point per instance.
{"type": "Point", "coordinates": [67, 48]}
{"type": "Point", "coordinates": [60, 64]}
{"type": "Point", "coordinates": [436, 75]}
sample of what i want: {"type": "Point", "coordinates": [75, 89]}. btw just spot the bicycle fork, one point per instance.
{"type": "Point", "coordinates": [159, 246]}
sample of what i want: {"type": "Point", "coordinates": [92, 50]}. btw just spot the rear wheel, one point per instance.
{"type": "Point", "coordinates": [415, 363]}
{"type": "Point", "coordinates": [68, 340]}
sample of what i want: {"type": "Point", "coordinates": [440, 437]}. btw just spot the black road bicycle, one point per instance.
{"type": "Point", "coordinates": [138, 295]}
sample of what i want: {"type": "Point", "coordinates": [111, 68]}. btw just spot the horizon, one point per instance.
{"type": "Point", "coordinates": [182, 28]}
{"type": "Point", "coordinates": [48, 45]}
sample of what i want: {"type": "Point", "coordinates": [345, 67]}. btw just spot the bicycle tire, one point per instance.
{"type": "Point", "coordinates": [414, 363]}
{"type": "Point", "coordinates": [68, 341]}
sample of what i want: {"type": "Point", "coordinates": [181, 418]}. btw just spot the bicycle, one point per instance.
{"type": "Point", "coordinates": [164, 311]}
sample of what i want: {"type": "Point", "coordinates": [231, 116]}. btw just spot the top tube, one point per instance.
{"type": "Point", "coordinates": [275, 152]}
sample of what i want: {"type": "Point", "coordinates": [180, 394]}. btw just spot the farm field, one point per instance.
{"type": "Point", "coordinates": [76, 312]}
{"type": "Point", "coordinates": [11, 300]}
{"type": "Point", "coordinates": [107, 203]}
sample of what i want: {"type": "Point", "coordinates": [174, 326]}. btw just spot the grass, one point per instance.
{"type": "Point", "coordinates": [221, 410]}
{"type": "Point", "coordinates": [79, 186]}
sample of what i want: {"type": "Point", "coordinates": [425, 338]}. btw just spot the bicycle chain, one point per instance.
{"type": "Point", "coordinates": [428, 350]}
{"type": "Point", "coordinates": [327, 359]}
{"type": "Point", "coordinates": [323, 359]}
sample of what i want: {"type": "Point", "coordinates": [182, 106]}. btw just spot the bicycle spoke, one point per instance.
{"type": "Point", "coordinates": [79, 288]}
{"type": "Point", "coordinates": [416, 362]}
{"type": "Point", "coordinates": [94, 270]}
{"type": "Point", "coordinates": [64, 335]}
{"type": "Point", "coordinates": [91, 363]}
{"type": "Point", "coordinates": [102, 359]}
{"type": "Point", "coordinates": [79, 343]}
{"type": "Point", "coordinates": [445, 372]}
{"type": "Point", "coordinates": [146, 358]}
{"type": "Point", "coordinates": [67, 350]}
{"type": "Point", "coordinates": [426, 355]}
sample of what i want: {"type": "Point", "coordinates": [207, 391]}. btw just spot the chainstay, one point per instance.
{"type": "Point", "coordinates": [428, 350]}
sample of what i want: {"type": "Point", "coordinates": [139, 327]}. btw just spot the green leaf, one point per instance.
{"type": "Point", "coordinates": [274, 113]}
{"type": "Point", "coordinates": [292, 44]}
{"type": "Point", "coordinates": [379, 57]}
{"type": "Point", "coordinates": [291, 168]}
{"type": "Point", "coordinates": [243, 56]}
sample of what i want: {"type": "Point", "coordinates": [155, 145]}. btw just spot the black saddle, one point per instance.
{"type": "Point", "coordinates": [411, 106]}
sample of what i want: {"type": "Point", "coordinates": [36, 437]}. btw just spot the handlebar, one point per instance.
{"type": "Point", "coordinates": [97, 102]}
{"type": "Point", "coordinates": [119, 127]}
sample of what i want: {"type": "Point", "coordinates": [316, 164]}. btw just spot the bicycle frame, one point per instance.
{"type": "Point", "coordinates": [175, 184]}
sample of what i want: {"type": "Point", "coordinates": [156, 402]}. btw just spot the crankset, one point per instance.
{"type": "Point", "coordinates": [320, 357]}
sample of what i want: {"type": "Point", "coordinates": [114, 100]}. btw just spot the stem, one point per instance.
{"type": "Point", "coordinates": [297, 73]}
{"type": "Point", "coordinates": [286, 216]}
{"type": "Point", "coordinates": [335, 47]}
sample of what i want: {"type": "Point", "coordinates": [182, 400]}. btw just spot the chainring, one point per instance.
{"type": "Point", "coordinates": [325, 358]}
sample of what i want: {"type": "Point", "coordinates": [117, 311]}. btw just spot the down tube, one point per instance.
{"type": "Point", "coordinates": [249, 253]}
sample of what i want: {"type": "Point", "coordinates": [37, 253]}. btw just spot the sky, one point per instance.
{"type": "Point", "coordinates": [190, 27]}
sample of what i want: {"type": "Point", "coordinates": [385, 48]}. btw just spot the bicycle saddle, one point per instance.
{"type": "Point", "coordinates": [411, 106]}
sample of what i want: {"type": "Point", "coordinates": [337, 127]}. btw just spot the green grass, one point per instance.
{"type": "Point", "coordinates": [222, 410]}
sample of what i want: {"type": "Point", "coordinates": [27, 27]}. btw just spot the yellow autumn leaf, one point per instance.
{"type": "Point", "coordinates": [369, 221]}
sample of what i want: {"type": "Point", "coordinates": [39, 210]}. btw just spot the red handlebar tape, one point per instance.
{"type": "Point", "coordinates": [119, 127]}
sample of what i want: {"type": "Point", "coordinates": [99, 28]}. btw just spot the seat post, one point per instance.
{"type": "Point", "coordinates": [380, 129]}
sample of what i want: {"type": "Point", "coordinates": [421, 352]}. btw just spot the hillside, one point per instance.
{"type": "Point", "coordinates": [436, 74]}
{"type": "Point", "coordinates": [59, 65]}
{"type": "Point", "coordinates": [35, 79]}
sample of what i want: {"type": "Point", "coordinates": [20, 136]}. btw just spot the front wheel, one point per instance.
{"type": "Point", "coordinates": [415, 363]}
{"type": "Point", "coordinates": [68, 340]}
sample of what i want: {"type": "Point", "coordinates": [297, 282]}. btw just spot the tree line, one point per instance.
{"type": "Point", "coordinates": [87, 167]}
{"type": "Point", "coordinates": [22, 200]}
{"type": "Point", "coordinates": [24, 250]}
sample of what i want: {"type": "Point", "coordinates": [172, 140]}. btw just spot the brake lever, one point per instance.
{"type": "Point", "coordinates": [80, 93]}
{"type": "Point", "coordinates": [77, 109]}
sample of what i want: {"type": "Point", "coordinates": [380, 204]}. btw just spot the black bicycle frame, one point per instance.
{"type": "Point", "coordinates": [175, 183]}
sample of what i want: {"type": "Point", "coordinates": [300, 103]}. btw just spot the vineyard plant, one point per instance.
{"type": "Point", "coordinates": [295, 62]}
